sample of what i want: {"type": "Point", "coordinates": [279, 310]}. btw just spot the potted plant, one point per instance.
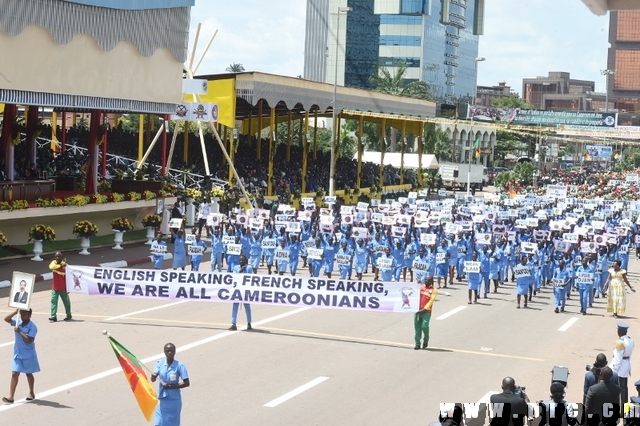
{"type": "Point", "coordinates": [84, 230]}
{"type": "Point", "coordinates": [151, 222]}
{"type": "Point", "coordinates": [3, 239]}
{"type": "Point", "coordinates": [39, 233]}
{"type": "Point", "coordinates": [120, 225]}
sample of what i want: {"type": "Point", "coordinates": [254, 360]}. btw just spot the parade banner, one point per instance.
{"type": "Point", "coordinates": [245, 288]}
{"type": "Point", "coordinates": [579, 120]}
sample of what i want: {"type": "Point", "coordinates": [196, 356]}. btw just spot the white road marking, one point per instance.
{"type": "Point", "coordinates": [146, 310]}
{"type": "Point", "coordinates": [568, 324]}
{"type": "Point", "coordinates": [487, 397]}
{"type": "Point", "coordinates": [93, 378]}
{"type": "Point", "coordinates": [5, 344]}
{"type": "Point", "coordinates": [452, 312]}
{"type": "Point", "coordinates": [297, 391]}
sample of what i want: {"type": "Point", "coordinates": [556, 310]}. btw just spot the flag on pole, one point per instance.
{"type": "Point", "coordinates": [134, 372]}
{"type": "Point", "coordinates": [587, 156]}
{"type": "Point", "coordinates": [476, 145]}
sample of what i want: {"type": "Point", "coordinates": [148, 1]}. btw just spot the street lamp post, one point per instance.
{"type": "Point", "coordinates": [607, 74]}
{"type": "Point", "coordinates": [475, 93]}
{"type": "Point", "coordinates": [336, 131]}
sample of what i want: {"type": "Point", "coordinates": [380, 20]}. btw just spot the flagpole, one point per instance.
{"type": "Point", "coordinates": [469, 173]}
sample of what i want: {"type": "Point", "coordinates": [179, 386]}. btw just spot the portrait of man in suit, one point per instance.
{"type": "Point", "coordinates": [21, 289]}
{"type": "Point", "coordinates": [22, 295]}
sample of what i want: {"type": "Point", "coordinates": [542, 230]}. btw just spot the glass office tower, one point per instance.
{"type": "Point", "coordinates": [436, 39]}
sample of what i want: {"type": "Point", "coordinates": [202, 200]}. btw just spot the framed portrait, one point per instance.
{"type": "Point", "coordinates": [159, 206]}
{"type": "Point", "coordinates": [22, 285]}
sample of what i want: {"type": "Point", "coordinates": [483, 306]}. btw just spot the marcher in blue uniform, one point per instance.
{"type": "Point", "coordinates": [255, 250]}
{"type": "Point", "coordinates": [315, 265]}
{"type": "Point", "coordinates": [585, 286]}
{"type": "Point", "coordinates": [344, 268]}
{"type": "Point", "coordinates": [173, 376]}
{"type": "Point", "coordinates": [442, 265]}
{"type": "Point", "coordinates": [282, 264]}
{"type": "Point", "coordinates": [179, 251]}
{"type": "Point", "coordinates": [159, 258]}
{"type": "Point", "coordinates": [410, 250]}
{"type": "Point", "coordinates": [386, 265]}
{"type": "Point", "coordinates": [361, 255]}
{"type": "Point", "coordinates": [485, 265]}
{"type": "Point", "coordinates": [25, 358]}
{"type": "Point", "coordinates": [241, 268]}
{"type": "Point", "coordinates": [197, 258]}
{"type": "Point", "coordinates": [217, 250]}
{"type": "Point", "coordinates": [523, 280]}
{"type": "Point", "coordinates": [294, 254]}
{"type": "Point", "coordinates": [473, 278]}
{"type": "Point", "coordinates": [561, 280]}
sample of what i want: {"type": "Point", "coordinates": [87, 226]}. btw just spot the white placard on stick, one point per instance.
{"type": "Point", "coordinates": [314, 253]}
{"type": "Point", "coordinates": [472, 267]}
{"type": "Point", "coordinates": [234, 249]}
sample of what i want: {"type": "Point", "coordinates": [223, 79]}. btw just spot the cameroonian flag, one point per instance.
{"type": "Point", "coordinates": [616, 155]}
{"type": "Point", "coordinates": [136, 376]}
{"type": "Point", "coordinates": [476, 145]}
{"type": "Point", "coordinates": [587, 156]}
{"type": "Point", "coordinates": [512, 193]}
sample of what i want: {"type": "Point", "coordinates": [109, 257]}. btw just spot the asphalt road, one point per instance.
{"type": "Point", "coordinates": [359, 368]}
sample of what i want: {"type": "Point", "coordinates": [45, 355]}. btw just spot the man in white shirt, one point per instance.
{"type": "Point", "coordinates": [621, 362]}
{"type": "Point", "coordinates": [203, 213]}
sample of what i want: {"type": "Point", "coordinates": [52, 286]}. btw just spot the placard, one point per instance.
{"type": "Point", "coordinates": [234, 249]}
{"type": "Point", "coordinates": [472, 267]}
{"type": "Point", "coordinates": [584, 278]}
{"type": "Point", "coordinates": [385, 263]}
{"type": "Point", "coordinates": [483, 238]}
{"type": "Point", "coordinates": [281, 254]}
{"type": "Point", "coordinates": [588, 247]}
{"type": "Point", "coordinates": [558, 282]}
{"type": "Point", "coordinates": [363, 207]}
{"type": "Point", "coordinates": [570, 238]}
{"type": "Point", "coordinates": [157, 249]}
{"type": "Point", "coordinates": [330, 199]}
{"type": "Point", "coordinates": [21, 291]}
{"type": "Point", "coordinates": [309, 243]}
{"type": "Point", "coordinates": [343, 259]}
{"type": "Point", "coordinates": [420, 265]}
{"type": "Point", "coordinates": [189, 238]}
{"type": "Point", "coordinates": [428, 239]}
{"type": "Point", "coordinates": [268, 243]}
{"type": "Point", "coordinates": [315, 253]}
{"type": "Point", "coordinates": [442, 193]}
{"type": "Point", "coordinates": [521, 271]}
{"type": "Point", "coordinates": [528, 248]}
{"type": "Point", "coordinates": [441, 258]}
{"type": "Point", "coordinates": [193, 250]}
{"type": "Point", "coordinates": [360, 233]}
{"type": "Point", "coordinates": [175, 223]}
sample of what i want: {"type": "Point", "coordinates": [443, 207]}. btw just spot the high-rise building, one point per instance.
{"type": "Point", "coordinates": [623, 62]}
{"type": "Point", "coordinates": [559, 92]}
{"type": "Point", "coordinates": [436, 39]}
{"type": "Point", "coordinates": [486, 94]}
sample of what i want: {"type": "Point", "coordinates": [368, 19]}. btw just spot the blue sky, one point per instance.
{"type": "Point", "coordinates": [523, 38]}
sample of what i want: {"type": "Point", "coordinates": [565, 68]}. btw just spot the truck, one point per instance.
{"type": "Point", "coordinates": [454, 175]}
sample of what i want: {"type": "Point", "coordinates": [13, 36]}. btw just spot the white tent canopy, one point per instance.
{"type": "Point", "coordinates": [429, 161]}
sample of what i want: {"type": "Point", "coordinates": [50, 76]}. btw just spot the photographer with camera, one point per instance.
{"type": "Point", "coordinates": [556, 411]}
{"type": "Point", "coordinates": [591, 376]}
{"type": "Point", "coordinates": [511, 405]}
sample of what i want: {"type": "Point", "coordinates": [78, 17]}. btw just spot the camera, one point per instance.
{"type": "Point", "coordinates": [519, 392]}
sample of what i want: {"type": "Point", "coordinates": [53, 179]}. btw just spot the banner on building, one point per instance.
{"type": "Point", "coordinates": [576, 119]}
{"type": "Point", "coordinates": [599, 152]}
{"type": "Point", "coordinates": [245, 288]}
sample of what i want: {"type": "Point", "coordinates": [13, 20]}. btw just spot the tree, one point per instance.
{"type": "Point", "coordinates": [235, 68]}
{"type": "Point", "coordinates": [507, 143]}
{"type": "Point", "coordinates": [396, 84]}
{"type": "Point", "coordinates": [510, 102]}
{"type": "Point", "coordinates": [437, 142]}
{"type": "Point", "coordinates": [371, 132]}
{"type": "Point", "coordinates": [524, 171]}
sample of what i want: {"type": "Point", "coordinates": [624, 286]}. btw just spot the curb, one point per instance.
{"type": "Point", "coordinates": [117, 264]}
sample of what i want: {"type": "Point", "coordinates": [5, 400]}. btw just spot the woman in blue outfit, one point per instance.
{"type": "Point", "coordinates": [179, 251]}
{"type": "Point", "coordinates": [159, 258]}
{"type": "Point", "coordinates": [294, 254]}
{"type": "Point", "coordinates": [523, 280]}
{"type": "Point", "coordinates": [442, 266]}
{"type": "Point", "coordinates": [386, 265]}
{"type": "Point", "coordinates": [173, 376]}
{"type": "Point", "coordinates": [25, 358]}
{"type": "Point", "coordinates": [473, 279]}
{"type": "Point", "coordinates": [361, 256]}
{"type": "Point", "coordinates": [345, 268]}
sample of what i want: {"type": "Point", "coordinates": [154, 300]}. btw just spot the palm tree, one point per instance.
{"type": "Point", "coordinates": [437, 142]}
{"type": "Point", "coordinates": [235, 68]}
{"type": "Point", "coordinates": [396, 84]}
